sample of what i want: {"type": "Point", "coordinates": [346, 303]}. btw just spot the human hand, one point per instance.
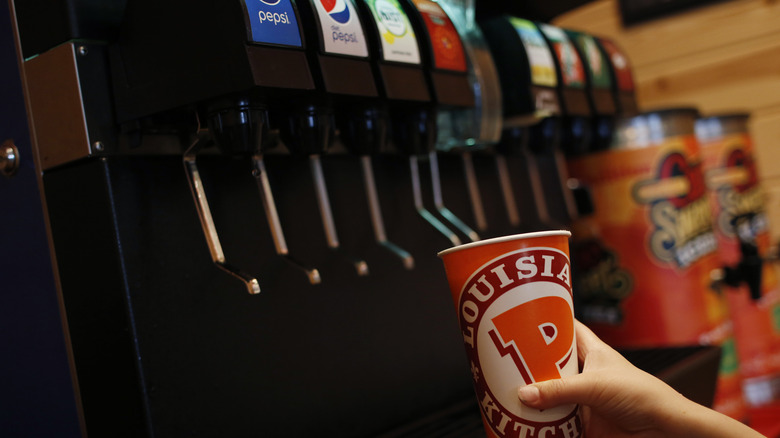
{"type": "Point", "coordinates": [619, 400]}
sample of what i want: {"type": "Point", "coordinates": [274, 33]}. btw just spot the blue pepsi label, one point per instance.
{"type": "Point", "coordinates": [273, 22]}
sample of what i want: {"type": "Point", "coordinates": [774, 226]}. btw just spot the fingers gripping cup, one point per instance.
{"type": "Point", "coordinates": [514, 302]}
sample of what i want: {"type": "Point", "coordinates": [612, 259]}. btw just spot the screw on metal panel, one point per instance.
{"type": "Point", "coordinates": [82, 50]}
{"type": "Point", "coordinates": [98, 146]}
{"type": "Point", "coordinates": [9, 158]}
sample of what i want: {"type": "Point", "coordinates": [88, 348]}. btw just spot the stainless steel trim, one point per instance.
{"type": "Point", "coordinates": [56, 108]}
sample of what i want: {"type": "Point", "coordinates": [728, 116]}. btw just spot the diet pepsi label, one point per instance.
{"type": "Point", "coordinates": [342, 31]}
{"type": "Point", "coordinates": [273, 22]}
{"type": "Point", "coordinates": [517, 319]}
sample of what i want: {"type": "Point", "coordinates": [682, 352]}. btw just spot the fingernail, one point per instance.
{"type": "Point", "coordinates": [528, 394]}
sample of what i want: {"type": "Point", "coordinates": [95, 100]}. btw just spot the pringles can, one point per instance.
{"type": "Point", "coordinates": [652, 210]}
{"type": "Point", "coordinates": [742, 230]}
{"type": "Point", "coordinates": [514, 304]}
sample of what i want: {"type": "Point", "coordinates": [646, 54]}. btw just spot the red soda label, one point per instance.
{"type": "Point", "coordinates": [447, 47]}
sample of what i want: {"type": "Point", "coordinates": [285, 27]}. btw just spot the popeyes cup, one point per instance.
{"type": "Point", "coordinates": [514, 302]}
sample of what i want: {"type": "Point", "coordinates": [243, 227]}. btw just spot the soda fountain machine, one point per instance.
{"type": "Point", "coordinates": [191, 152]}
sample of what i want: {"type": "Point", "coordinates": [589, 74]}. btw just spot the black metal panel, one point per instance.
{"type": "Point", "coordinates": [94, 288]}
{"type": "Point", "coordinates": [44, 24]}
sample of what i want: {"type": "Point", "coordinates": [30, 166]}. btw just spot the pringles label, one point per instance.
{"type": "Point", "coordinates": [572, 70]}
{"type": "Point", "coordinates": [399, 43]}
{"type": "Point", "coordinates": [539, 55]}
{"type": "Point", "coordinates": [342, 32]}
{"type": "Point", "coordinates": [447, 47]}
{"type": "Point", "coordinates": [273, 22]}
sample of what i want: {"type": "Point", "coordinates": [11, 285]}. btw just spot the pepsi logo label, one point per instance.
{"type": "Point", "coordinates": [273, 22]}
{"type": "Point", "coordinates": [341, 33]}
{"type": "Point", "coordinates": [517, 319]}
{"type": "Point", "coordinates": [337, 10]}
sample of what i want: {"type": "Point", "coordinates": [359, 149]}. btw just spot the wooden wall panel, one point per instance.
{"type": "Point", "coordinates": [720, 58]}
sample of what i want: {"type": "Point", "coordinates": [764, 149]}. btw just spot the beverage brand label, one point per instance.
{"type": "Point", "coordinates": [447, 47]}
{"type": "Point", "coordinates": [572, 69]}
{"type": "Point", "coordinates": [273, 22]}
{"type": "Point", "coordinates": [539, 56]}
{"type": "Point", "coordinates": [342, 31]}
{"type": "Point", "coordinates": [517, 320]}
{"type": "Point", "coordinates": [595, 60]}
{"type": "Point", "coordinates": [399, 43]}
{"type": "Point", "coordinates": [620, 64]}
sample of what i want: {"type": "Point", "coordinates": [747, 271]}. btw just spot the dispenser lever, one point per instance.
{"type": "Point", "coordinates": [474, 195]}
{"type": "Point", "coordinates": [535, 179]}
{"type": "Point", "coordinates": [328, 223]}
{"type": "Point", "coordinates": [376, 214]}
{"type": "Point", "coordinates": [433, 160]}
{"type": "Point", "coordinates": [506, 191]}
{"type": "Point", "coordinates": [204, 214]}
{"type": "Point", "coordinates": [275, 225]}
{"type": "Point", "coordinates": [418, 203]}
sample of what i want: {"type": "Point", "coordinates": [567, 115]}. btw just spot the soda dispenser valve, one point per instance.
{"type": "Point", "coordinates": [204, 212]}
{"type": "Point", "coordinates": [307, 130]}
{"type": "Point", "coordinates": [446, 69]}
{"type": "Point", "coordinates": [364, 133]}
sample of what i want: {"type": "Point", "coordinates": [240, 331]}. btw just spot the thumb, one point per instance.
{"type": "Point", "coordinates": [577, 389]}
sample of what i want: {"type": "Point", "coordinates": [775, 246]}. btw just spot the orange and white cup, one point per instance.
{"type": "Point", "coordinates": [514, 302]}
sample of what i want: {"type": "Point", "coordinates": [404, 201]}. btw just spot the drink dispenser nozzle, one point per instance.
{"type": "Point", "coordinates": [203, 138]}
{"type": "Point", "coordinates": [528, 79]}
{"type": "Point", "coordinates": [414, 132]}
{"type": "Point", "coordinates": [307, 130]}
{"type": "Point", "coordinates": [472, 129]}
{"type": "Point", "coordinates": [446, 68]}
{"type": "Point", "coordinates": [364, 133]}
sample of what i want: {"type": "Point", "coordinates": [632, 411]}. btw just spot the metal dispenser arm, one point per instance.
{"type": "Point", "coordinates": [418, 204]}
{"type": "Point", "coordinates": [563, 175]}
{"type": "Point", "coordinates": [536, 180]}
{"type": "Point", "coordinates": [275, 225]}
{"type": "Point", "coordinates": [506, 191]}
{"type": "Point", "coordinates": [204, 214]}
{"type": "Point", "coordinates": [376, 214]}
{"type": "Point", "coordinates": [473, 188]}
{"type": "Point", "coordinates": [433, 160]}
{"type": "Point", "coordinates": [328, 223]}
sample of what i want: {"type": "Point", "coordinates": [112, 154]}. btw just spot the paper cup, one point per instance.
{"type": "Point", "coordinates": [514, 302]}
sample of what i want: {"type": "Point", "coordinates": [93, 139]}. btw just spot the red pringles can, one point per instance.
{"type": "Point", "coordinates": [742, 230]}
{"type": "Point", "coordinates": [514, 304]}
{"type": "Point", "coordinates": [651, 209]}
